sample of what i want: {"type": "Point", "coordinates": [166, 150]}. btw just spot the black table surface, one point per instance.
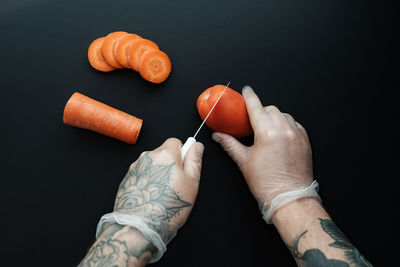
{"type": "Point", "coordinates": [327, 63]}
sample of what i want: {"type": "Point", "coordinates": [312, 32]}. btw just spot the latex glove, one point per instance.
{"type": "Point", "coordinates": [279, 160]}
{"type": "Point", "coordinates": [160, 189]}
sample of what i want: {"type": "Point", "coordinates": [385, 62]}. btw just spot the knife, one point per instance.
{"type": "Point", "coordinates": [191, 140]}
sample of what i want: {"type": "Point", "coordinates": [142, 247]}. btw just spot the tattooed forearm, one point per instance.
{"type": "Point", "coordinates": [315, 257]}
{"type": "Point", "coordinates": [341, 242]}
{"type": "Point", "coordinates": [119, 246]}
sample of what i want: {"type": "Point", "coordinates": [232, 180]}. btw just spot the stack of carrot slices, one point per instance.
{"type": "Point", "coordinates": [126, 50]}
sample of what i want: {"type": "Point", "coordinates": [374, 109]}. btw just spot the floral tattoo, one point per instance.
{"type": "Point", "coordinates": [145, 192]}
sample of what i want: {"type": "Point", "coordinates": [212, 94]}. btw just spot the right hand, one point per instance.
{"type": "Point", "coordinates": [160, 188]}
{"type": "Point", "coordinates": [280, 158]}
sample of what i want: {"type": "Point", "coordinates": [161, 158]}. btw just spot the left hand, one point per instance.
{"type": "Point", "coordinates": [160, 188]}
{"type": "Point", "coordinates": [280, 159]}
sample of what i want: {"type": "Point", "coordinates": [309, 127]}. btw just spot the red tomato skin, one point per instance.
{"type": "Point", "coordinates": [229, 115]}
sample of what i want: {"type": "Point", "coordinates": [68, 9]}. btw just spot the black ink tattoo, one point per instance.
{"type": "Point", "coordinates": [315, 257]}
{"type": "Point", "coordinates": [107, 253]}
{"type": "Point", "coordinates": [114, 251]}
{"type": "Point", "coordinates": [145, 191]}
{"type": "Point", "coordinates": [352, 254]}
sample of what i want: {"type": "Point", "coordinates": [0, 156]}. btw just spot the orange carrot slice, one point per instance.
{"type": "Point", "coordinates": [108, 48]}
{"type": "Point", "coordinates": [137, 49]}
{"type": "Point", "coordinates": [95, 57]}
{"type": "Point", "coordinates": [122, 48]}
{"type": "Point", "coordinates": [84, 112]}
{"type": "Point", "coordinates": [155, 66]}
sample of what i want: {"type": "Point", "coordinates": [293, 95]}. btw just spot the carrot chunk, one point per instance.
{"type": "Point", "coordinates": [95, 57]}
{"type": "Point", "coordinates": [84, 112]}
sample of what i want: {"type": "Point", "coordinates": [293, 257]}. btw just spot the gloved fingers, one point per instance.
{"type": "Point", "coordinates": [276, 118]}
{"type": "Point", "coordinates": [186, 183]}
{"type": "Point", "coordinates": [175, 193]}
{"type": "Point", "coordinates": [291, 121]}
{"type": "Point", "coordinates": [236, 150]}
{"type": "Point", "coordinates": [295, 125]}
{"type": "Point", "coordinates": [271, 108]}
{"type": "Point", "coordinates": [302, 129]}
{"type": "Point", "coordinates": [168, 152]}
{"type": "Point", "coordinates": [192, 162]}
{"type": "Point", "coordinates": [172, 143]}
{"type": "Point", "coordinates": [254, 108]}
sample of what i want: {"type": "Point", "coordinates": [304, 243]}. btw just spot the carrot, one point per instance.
{"type": "Point", "coordinates": [95, 57]}
{"type": "Point", "coordinates": [108, 48]}
{"type": "Point", "coordinates": [122, 48]}
{"type": "Point", "coordinates": [136, 51]}
{"type": "Point", "coordinates": [84, 112]}
{"type": "Point", "coordinates": [155, 66]}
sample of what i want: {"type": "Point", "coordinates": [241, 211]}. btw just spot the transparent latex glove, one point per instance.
{"type": "Point", "coordinates": [159, 189]}
{"type": "Point", "coordinates": [279, 161]}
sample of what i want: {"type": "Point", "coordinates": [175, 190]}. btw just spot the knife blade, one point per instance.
{"type": "Point", "coordinates": [191, 140]}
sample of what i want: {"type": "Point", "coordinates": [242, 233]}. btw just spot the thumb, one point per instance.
{"type": "Point", "coordinates": [236, 150]}
{"type": "Point", "coordinates": [193, 160]}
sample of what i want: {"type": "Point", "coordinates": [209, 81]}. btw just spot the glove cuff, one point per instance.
{"type": "Point", "coordinates": [138, 223]}
{"type": "Point", "coordinates": [284, 198]}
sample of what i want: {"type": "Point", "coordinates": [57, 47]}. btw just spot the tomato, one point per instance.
{"type": "Point", "coordinates": [229, 115]}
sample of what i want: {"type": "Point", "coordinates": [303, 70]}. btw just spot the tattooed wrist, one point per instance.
{"type": "Point", "coordinates": [313, 238]}
{"type": "Point", "coordinates": [317, 257]}
{"type": "Point", "coordinates": [119, 245]}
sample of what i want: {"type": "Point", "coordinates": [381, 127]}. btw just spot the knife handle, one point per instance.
{"type": "Point", "coordinates": [185, 148]}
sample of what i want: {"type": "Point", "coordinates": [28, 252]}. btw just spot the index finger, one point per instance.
{"type": "Point", "coordinates": [253, 104]}
{"type": "Point", "coordinates": [169, 151]}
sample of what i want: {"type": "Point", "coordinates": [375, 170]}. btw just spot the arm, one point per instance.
{"type": "Point", "coordinates": [278, 162]}
{"type": "Point", "coordinates": [119, 246]}
{"type": "Point", "coordinates": [313, 238]}
{"type": "Point", "coordinates": [157, 194]}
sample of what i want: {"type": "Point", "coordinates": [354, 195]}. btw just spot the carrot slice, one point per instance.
{"type": "Point", "coordinates": [95, 57]}
{"type": "Point", "coordinates": [122, 48]}
{"type": "Point", "coordinates": [155, 66]}
{"type": "Point", "coordinates": [136, 51]}
{"type": "Point", "coordinates": [84, 112]}
{"type": "Point", "coordinates": [108, 48]}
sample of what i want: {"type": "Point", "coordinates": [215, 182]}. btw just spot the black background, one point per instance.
{"type": "Point", "coordinates": [328, 63]}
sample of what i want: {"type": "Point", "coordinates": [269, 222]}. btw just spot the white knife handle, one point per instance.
{"type": "Point", "coordinates": [185, 148]}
